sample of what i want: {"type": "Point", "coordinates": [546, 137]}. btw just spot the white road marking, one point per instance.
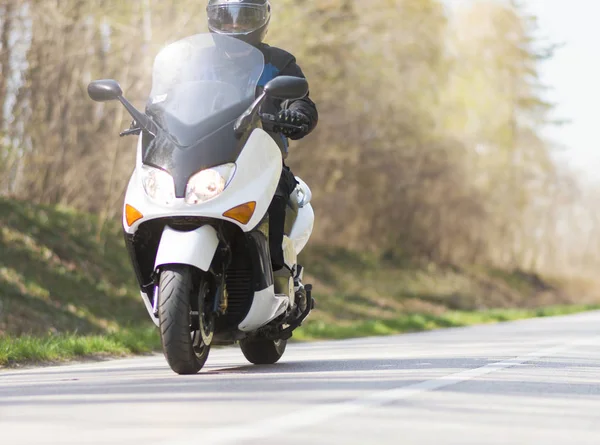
{"type": "Point", "coordinates": [320, 414]}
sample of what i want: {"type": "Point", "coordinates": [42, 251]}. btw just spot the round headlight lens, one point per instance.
{"type": "Point", "coordinates": [208, 183]}
{"type": "Point", "coordinates": [158, 185]}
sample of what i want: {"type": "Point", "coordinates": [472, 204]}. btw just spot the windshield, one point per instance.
{"type": "Point", "coordinates": [201, 82]}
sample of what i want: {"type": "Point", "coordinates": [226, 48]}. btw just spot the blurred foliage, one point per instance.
{"type": "Point", "coordinates": [429, 144]}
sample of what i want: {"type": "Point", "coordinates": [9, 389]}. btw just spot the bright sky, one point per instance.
{"type": "Point", "coordinates": [573, 76]}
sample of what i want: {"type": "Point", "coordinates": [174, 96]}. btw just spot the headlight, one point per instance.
{"type": "Point", "coordinates": [208, 183]}
{"type": "Point", "coordinates": [158, 185]}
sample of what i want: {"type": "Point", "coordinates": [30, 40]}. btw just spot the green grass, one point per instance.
{"type": "Point", "coordinates": [59, 348]}
{"type": "Point", "coordinates": [427, 322]}
{"type": "Point", "coordinates": [64, 347]}
{"type": "Point", "coordinates": [352, 287]}
{"type": "Point", "coordinates": [56, 275]}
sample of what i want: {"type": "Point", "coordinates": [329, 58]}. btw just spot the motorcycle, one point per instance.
{"type": "Point", "coordinates": [195, 214]}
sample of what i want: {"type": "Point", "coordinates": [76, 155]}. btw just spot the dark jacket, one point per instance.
{"type": "Point", "coordinates": [281, 63]}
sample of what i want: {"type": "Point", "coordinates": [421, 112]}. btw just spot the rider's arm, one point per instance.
{"type": "Point", "coordinates": [305, 105]}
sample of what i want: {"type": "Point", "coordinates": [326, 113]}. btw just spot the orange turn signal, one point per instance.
{"type": "Point", "coordinates": [132, 215]}
{"type": "Point", "coordinates": [243, 213]}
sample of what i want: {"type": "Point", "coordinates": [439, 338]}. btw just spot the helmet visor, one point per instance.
{"type": "Point", "coordinates": [237, 19]}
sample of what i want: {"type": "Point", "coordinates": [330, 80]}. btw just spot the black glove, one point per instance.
{"type": "Point", "coordinates": [291, 117]}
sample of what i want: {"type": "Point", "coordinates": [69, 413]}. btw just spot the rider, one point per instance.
{"type": "Point", "coordinates": [248, 20]}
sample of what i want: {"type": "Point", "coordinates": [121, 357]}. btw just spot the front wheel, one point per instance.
{"type": "Point", "coordinates": [262, 351]}
{"type": "Point", "coordinates": [185, 328]}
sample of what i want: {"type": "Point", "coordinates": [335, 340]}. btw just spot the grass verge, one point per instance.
{"type": "Point", "coordinates": [320, 330]}
{"type": "Point", "coordinates": [64, 347]}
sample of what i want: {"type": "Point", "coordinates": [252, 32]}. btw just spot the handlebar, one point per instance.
{"type": "Point", "coordinates": [130, 131]}
{"type": "Point", "coordinates": [272, 120]}
{"type": "Point", "coordinates": [266, 118]}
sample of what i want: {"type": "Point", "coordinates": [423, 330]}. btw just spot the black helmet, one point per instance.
{"type": "Point", "coordinates": [247, 20]}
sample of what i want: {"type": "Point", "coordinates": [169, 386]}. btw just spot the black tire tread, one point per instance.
{"type": "Point", "coordinates": [176, 287]}
{"type": "Point", "coordinates": [262, 351]}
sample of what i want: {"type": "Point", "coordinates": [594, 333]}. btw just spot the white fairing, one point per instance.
{"type": "Point", "coordinates": [265, 307]}
{"type": "Point", "coordinates": [303, 192]}
{"type": "Point", "coordinates": [258, 169]}
{"type": "Point", "coordinates": [303, 227]}
{"type": "Point", "coordinates": [195, 248]}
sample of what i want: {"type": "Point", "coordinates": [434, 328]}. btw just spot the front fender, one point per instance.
{"type": "Point", "coordinates": [195, 248]}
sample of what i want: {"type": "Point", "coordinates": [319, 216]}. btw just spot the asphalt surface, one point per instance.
{"type": "Point", "coordinates": [527, 382]}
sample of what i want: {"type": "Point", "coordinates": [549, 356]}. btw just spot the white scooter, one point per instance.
{"type": "Point", "coordinates": [195, 213]}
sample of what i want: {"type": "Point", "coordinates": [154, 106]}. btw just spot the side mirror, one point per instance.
{"type": "Point", "coordinates": [108, 89]}
{"type": "Point", "coordinates": [287, 87]}
{"type": "Point", "coordinates": [104, 90]}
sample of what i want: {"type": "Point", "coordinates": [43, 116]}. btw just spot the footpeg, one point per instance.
{"type": "Point", "coordinates": [286, 333]}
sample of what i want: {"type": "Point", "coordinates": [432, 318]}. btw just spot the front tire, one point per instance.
{"type": "Point", "coordinates": [183, 346]}
{"type": "Point", "coordinates": [262, 351]}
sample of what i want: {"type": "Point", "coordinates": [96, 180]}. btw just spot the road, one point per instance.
{"type": "Point", "coordinates": [526, 382]}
